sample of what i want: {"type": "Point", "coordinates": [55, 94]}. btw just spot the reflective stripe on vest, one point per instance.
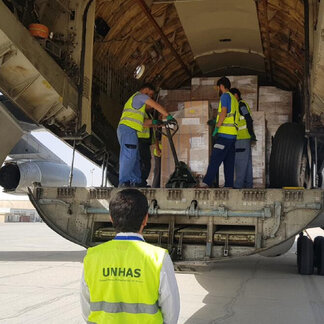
{"type": "Point", "coordinates": [124, 308]}
{"type": "Point", "coordinates": [115, 272]}
{"type": "Point", "coordinates": [145, 133]}
{"type": "Point", "coordinates": [243, 132]}
{"type": "Point", "coordinates": [229, 124]}
{"type": "Point", "coordinates": [132, 117]}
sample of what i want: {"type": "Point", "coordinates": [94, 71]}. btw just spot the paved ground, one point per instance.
{"type": "Point", "coordinates": [40, 271]}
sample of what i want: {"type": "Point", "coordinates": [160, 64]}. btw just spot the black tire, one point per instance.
{"type": "Point", "coordinates": [298, 250]}
{"type": "Point", "coordinates": [317, 243]}
{"type": "Point", "coordinates": [320, 257]}
{"type": "Point", "coordinates": [288, 160]}
{"type": "Point", "coordinates": [305, 256]}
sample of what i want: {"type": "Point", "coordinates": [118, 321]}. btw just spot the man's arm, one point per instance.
{"type": "Point", "coordinates": [169, 299]}
{"type": "Point", "coordinates": [222, 117]}
{"type": "Point", "coordinates": [226, 108]}
{"type": "Point", "coordinates": [148, 123]}
{"type": "Point", "coordinates": [157, 106]}
{"type": "Point", "coordinates": [84, 298]}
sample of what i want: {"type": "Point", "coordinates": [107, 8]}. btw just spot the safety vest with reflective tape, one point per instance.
{"type": "Point", "coordinates": [242, 131]}
{"type": "Point", "coordinates": [145, 133]}
{"type": "Point", "coordinates": [132, 117]}
{"type": "Point", "coordinates": [229, 126]}
{"type": "Point", "coordinates": [123, 278]}
{"type": "Point", "coordinates": [155, 152]}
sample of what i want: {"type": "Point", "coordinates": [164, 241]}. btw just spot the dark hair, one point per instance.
{"type": "Point", "coordinates": [225, 82]}
{"type": "Point", "coordinates": [148, 85]}
{"type": "Point", "coordinates": [128, 209]}
{"type": "Point", "coordinates": [236, 91]}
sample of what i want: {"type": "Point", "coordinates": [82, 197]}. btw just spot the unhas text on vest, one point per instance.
{"type": "Point", "coordinates": [121, 272]}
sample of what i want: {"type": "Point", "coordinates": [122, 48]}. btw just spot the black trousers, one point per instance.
{"type": "Point", "coordinates": [145, 159]}
{"type": "Point", "coordinates": [157, 172]}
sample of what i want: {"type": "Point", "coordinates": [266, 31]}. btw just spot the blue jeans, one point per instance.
{"type": "Point", "coordinates": [223, 151]}
{"type": "Point", "coordinates": [129, 158]}
{"type": "Point", "coordinates": [243, 164]}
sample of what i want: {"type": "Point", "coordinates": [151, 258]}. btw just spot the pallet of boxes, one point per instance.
{"type": "Point", "coordinates": [193, 107]}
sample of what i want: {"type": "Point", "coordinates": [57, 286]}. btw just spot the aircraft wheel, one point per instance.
{"type": "Point", "coordinates": [317, 242]}
{"type": "Point", "coordinates": [288, 161]}
{"type": "Point", "coordinates": [319, 254]}
{"type": "Point", "coordinates": [305, 255]}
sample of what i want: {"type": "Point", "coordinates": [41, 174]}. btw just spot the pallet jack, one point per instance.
{"type": "Point", "coordinates": [182, 176]}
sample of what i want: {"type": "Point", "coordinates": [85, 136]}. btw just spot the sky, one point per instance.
{"type": "Point", "coordinates": [64, 151]}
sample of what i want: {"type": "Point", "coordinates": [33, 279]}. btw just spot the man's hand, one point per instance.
{"type": "Point", "coordinates": [215, 131]}
{"type": "Point", "coordinates": [170, 117]}
{"type": "Point", "coordinates": [211, 122]}
{"type": "Point", "coordinates": [157, 122]}
{"type": "Point", "coordinates": [253, 141]}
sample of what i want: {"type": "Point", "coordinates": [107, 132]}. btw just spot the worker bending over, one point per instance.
{"type": "Point", "coordinates": [243, 152]}
{"type": "Point", "coordinates": [225, 132]}
{"type": "Point", "coordinates": [127, 280]}
{"type": "Point", "coordinates": [131, 122]}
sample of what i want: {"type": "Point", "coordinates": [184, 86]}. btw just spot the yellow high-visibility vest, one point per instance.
{"type": "Point", "coordinates": [132, 117]}
{"type": "Point", "coordinates": [242, 131]}
{"type": "Point", "coordinates": [155, 152]}
{"type": "Point", "coordinates": [229, 125]}
{"type": "Point", "coordinates": [145, 133]}
{"type": "Point", "coordinates": [123, 278]}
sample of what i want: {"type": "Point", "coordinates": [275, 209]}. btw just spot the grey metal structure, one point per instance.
{"type": "Point", "coordinates": [193, 224]}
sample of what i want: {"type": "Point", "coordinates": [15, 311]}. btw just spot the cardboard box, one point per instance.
{"type": "Point", "coordinates": [206, 89]}
{"type": "Point", "coordinates": [173, 100]}
{"type": "Point", "coordinates": [191, 142]}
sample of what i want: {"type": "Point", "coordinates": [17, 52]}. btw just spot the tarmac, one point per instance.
{"type": "Point", "coordinates": [40, 278]}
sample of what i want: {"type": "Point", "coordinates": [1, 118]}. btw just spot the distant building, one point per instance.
{"type": "Point", "coordinates": [18, 211]}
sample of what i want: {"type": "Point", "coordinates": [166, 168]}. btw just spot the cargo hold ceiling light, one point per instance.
{"type": "Point", "coordinates": [139, 71]}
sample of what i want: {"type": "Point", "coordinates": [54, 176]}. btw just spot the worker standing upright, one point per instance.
{"type": "Point", "coordinates": [226, 131]}
{"type": "Point", "coordinates": [131, 122]}
{"type": "Point", "coordinates": [127, 280]}
{"type": "Point", "coordinates": [243, 152]}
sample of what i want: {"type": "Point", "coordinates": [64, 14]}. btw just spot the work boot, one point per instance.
{"type": "Point", "coordinates": [124, 185]}
{"type": "Point", "coordinates": [202, 185]}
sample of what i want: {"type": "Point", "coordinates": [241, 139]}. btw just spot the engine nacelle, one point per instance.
{"type": "Point", "coordinates": [19, 176]}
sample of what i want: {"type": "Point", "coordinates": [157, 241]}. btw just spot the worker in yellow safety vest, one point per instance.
{"type": "Point", "coordinates": [245, 137]}
{"type": "Point", "coordinates": [126, 280]}
{"type": "Point", "coordinates": [225, 133]}
{"type": "Point", "coordinates": [131, 122]}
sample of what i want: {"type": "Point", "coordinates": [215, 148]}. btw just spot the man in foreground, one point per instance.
{"type": "Point", "coordinates": [127, 280]}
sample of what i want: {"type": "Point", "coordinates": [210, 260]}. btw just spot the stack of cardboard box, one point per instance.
{"type": "Point", "coordinates": [277, 107]}
{"type": "Point", "coordinates": [191, 141]}
{"type": "Point", "coordinates": [270, 107]}
{"type": "Point", "coordinates": [206, 89]}
{"type": "Point", "coordinates": [173, 100]}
